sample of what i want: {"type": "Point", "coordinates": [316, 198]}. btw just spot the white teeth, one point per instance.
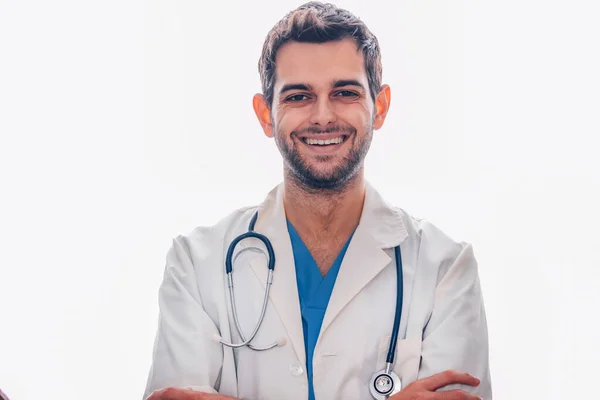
{"type": "Point", "coordinates": [325, 142]}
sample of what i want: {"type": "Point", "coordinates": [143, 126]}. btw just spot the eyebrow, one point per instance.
{"type": "Point", "coordinates": [335, 84]}
{"type": "Point", "coordinates": [347, 82]}
{"type": "Point", "coordinates": [295, 86]}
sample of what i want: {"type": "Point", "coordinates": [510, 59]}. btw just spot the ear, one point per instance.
{"type": "Point", "coordinates": [263, 113]}
{"type": "Point", "coordinates": [382, 105]}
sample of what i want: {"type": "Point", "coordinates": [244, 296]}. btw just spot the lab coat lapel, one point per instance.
{"type": "Point", "coordinates": [284, 290]}
{"type": "Point", "coordinates": [380, 227]}
{"type": "Point", "coordinates": [363, 260]}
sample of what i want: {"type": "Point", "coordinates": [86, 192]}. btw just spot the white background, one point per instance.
{"type": "Point", "coordinates": [124, 124]}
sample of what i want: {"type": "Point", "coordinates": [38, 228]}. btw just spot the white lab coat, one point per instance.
{"type": "Point", "coordinates": [443, 323]}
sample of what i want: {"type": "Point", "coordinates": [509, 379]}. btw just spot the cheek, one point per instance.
{"type": "Point", "coordinates": [358, 115]}
{"type": "Point", "coordinates": [290, 120]}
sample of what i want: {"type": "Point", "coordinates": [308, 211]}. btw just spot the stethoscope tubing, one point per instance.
{"type": "Point", "coordinates": [398, 314]}
{"type": "Point", "coordinates": [271, 267]}
{"type": "Point", "coordinates": [229, 271]}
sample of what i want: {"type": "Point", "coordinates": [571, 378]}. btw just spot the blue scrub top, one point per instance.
{"type": "Point", "coordinates": [314, 291]}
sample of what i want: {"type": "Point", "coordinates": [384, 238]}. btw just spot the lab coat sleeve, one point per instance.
{"type": "Point", "coordinates": [456, 337]}
{"type": "Point", "coordinates": [184, 354]}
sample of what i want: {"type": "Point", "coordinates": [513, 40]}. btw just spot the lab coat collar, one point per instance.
{"type": "Point", "coordinates": [383, 222]}
{"type": "Point", "coordinates": [380, 227]}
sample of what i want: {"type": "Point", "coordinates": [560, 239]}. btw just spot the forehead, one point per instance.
{"type": "Point", "coordinates": [318, 64]}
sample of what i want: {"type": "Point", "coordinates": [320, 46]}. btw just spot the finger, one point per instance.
{"type": "Point", "coordinates": [449, 377]}
{"type": "Point", "coordinates": [455, 395]}
{"type": "Point", "coordinates": [156, 395]}
{"type": "Point", "coordinates": [172, 394]}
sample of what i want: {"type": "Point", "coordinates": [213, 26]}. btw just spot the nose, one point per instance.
{"type": "Point", "coordinates": [322, 112]}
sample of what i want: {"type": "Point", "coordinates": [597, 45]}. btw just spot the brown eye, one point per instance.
{"type": "Point", "coordinates": [346, 93]}
{"type": "Point", "coordinates": [296, 98]}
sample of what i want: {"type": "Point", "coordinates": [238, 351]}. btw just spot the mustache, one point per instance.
{"type": "Point", "coordinates": [330, 129]}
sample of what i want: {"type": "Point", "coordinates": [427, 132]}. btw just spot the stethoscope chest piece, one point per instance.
{"type": "Point", "coordinates": [384, 384]}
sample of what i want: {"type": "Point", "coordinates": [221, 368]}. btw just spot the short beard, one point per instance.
{"type": "Point", "coordinates": [335, 181]}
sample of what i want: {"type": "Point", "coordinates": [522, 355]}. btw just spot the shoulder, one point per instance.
{"type": "Point", "coordinates": [428, 233]}
{"type": "Point", "coordinates": [434, 246]}
{"type": "Point", "coordinates": [203, 240]}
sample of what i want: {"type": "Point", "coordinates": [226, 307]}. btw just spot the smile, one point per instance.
{"type": "Point", "coordinates": [324, 142]}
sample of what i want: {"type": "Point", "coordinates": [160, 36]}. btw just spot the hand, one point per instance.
{"type": "Point", "coordinates": [185, 394]}
{"type": "Point", "coordinates": [426, 388]}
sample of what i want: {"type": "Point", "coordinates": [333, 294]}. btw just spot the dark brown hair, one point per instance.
{"type": "Point", "coordinates": [317, 22]}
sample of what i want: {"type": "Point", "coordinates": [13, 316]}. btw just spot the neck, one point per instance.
{"type": "Point", "coordinates": [324, 213]}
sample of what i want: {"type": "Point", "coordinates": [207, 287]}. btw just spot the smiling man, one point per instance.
{"type": "Point", "coordinates": [322, 112]}
{"type": "Point", "coordinates": [334, 293]}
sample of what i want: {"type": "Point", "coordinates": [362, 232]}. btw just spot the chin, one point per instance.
{"type": "Point", "coordinates": [326, 180]}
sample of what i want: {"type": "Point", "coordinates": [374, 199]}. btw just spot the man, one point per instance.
{"type": "Point", "coordinates": [332, 302]}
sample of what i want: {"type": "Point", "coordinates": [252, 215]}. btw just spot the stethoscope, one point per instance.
{"type": "Point", "coordinates": [384, 383]}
